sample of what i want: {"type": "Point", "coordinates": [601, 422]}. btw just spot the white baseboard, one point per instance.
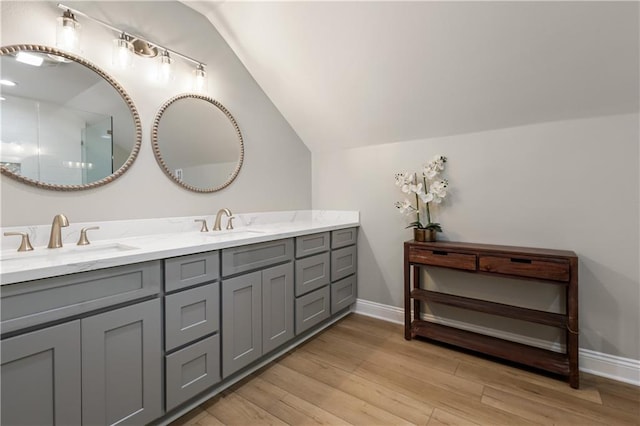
{"type": "Point", "coordinates": [613, 367]}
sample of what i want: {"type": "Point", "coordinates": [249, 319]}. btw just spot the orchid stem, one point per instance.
{"type": "Point", "coordinates": [424, 181]}
{"type": "Point", "coordinates": [418, 210]}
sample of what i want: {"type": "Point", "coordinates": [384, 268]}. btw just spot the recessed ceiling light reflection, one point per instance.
{"type": "Point", "coordinates": [29, 59]}
{"type": "Point", "coordinates": [8, 83]}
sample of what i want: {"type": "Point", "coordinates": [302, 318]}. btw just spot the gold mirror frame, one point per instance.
{"type": "Point", "coordinates": [8, 50]}
{"type": "Point", "coordinates": [162, 163]}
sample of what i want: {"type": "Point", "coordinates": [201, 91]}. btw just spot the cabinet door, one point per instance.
{"type": "Point", "coordinates": [41, 377]}
{"type": "Point", "coordinates": [241, 321]}
{"type": "Point", "coordinates": [277, 306]}
{"type": "Point", "coordinates": [122, 365]}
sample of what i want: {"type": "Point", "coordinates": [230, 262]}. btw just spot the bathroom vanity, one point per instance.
{"type": "Point", "coordinates": [145, 333]}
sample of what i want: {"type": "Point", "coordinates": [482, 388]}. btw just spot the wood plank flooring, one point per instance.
{"type": "Point", "coordinates": [361, 371]}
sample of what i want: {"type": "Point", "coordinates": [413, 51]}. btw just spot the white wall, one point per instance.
{"type": "Point", "coordinates": [567, 185]}
{"type": "Point", "coordinates": [272, 149]}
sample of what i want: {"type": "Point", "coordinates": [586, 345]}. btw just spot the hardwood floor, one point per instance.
{"type": "Point", "coordinates": [361, 371]}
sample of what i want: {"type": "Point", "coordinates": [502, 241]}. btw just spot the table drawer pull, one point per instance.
{"type": "Point", "coordinates": [440, 252]}
{"type": "Point", "coordinates": [517, 260]}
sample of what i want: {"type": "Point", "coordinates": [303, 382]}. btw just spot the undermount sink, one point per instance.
{"type": "Point", "coordinates": [235, 233]}
{"type": "Point", "coordinates": [75, 252]}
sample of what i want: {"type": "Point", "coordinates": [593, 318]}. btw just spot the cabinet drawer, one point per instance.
{"type": "Point", "coordinates": [546, 269]}
{"type": "Point", "coordinates": [36, 302]}
{"type": "Point", "coordinates": [186, 271]}
{"type": "Point", "coordinates": [312, 309]}
{"type": "Point", "coordinates": [444, 258]}
{"type": "Point", "coordinates": [312, 273]}
{"type": "Point", "coordinates": [191, 314]}
{"type": "Point", "coordinates": [343, 293]}
{"type": "Point", "coordinates": [255, 256]}
{"type": "Point", "coordinates": [343, 263]}
{"type": "Point", "coordinates": [191, 370]}
{"type": "Point", "coordinates": [344, 237]}
{"type": "Point", "coordinates": [307, 245]}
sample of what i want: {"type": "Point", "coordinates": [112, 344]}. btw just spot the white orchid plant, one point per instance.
{"type": "Point", "coordinates": [429, 188]}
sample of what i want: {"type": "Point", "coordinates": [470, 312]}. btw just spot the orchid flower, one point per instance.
{"type": "Point", "coordinates": [430, 190]}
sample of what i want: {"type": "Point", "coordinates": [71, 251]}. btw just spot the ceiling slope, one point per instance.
{"type": "Point", "coordinates": [347, 74]}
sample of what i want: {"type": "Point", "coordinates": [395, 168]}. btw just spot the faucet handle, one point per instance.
{"type": "Point", "coordinates": [25, 244]}
{"type": "Point", "coordinates": [204, 225]}
{"type": "Point", "coordinates": [230, 222]}
{"type": "Point", "coordinates": [83, 241]}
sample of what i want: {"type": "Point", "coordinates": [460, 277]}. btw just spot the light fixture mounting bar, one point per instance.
{"type": "Point", "coordinates": [135, 36]}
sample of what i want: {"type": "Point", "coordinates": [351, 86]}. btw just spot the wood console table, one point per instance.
{"type": "Point", "coordinates": [554, 266]}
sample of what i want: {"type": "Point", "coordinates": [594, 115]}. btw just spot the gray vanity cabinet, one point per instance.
{"type": "Point", "coordinates": [121, 365]}
{"type": "Point", "coordinates": [325, 276]}
{"type": "Point", "coordinates": [40, 377]}
{"type": "Point", "coordinates": [344, 265]}
{"type": "Point", "coordinates": [257, 315]}
{"type": "Point", "coordinates": [192, 326]}
{"type": "Point", "coordinates": [93, 369]}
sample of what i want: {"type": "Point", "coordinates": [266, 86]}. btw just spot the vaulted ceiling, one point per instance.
{"type": "Point", "coordinates": [347, 74]}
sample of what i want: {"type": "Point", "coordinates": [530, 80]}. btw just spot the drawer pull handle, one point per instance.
{"type": "Point", "coordinates": [440, 252]}
{"type": "Point", "coordinates": [516, 260]}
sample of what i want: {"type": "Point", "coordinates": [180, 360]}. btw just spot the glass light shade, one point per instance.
{"type": "Point", "coordinates": [164, 68]}
{"type": "Point", "coordinates": [68, 33]}
{"type": "Point", "coordinates": [200, 80]}
{"type": "Point", "coordinates": [122, 57]}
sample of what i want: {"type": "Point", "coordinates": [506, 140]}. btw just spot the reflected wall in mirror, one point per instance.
{"type": "Point", "coordinates": [65, 123]}
{"type": "Point", "coordinates": [197, 143]}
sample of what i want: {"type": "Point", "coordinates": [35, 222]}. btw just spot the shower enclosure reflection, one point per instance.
{"type": "Point", "coordinates": [56, 144]}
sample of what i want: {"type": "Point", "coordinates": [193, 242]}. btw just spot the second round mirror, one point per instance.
{"type": "Point", "coordinates": [197, 143]}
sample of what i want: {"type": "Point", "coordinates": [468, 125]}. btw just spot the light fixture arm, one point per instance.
{"type": "Point", "coordinates": [128, 34]}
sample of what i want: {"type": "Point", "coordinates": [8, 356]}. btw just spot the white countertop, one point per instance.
{"type": "Point", "coordinates": [125, 242]}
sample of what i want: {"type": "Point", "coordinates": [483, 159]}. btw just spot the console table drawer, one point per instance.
{"type": "Point", "coordinates": [546, 269]}
{"type": "Point", "coordinates": [442, 258]}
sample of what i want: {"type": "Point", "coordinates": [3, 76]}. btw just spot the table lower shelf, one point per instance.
{"type": "Point", "coordinates": [543, 359]}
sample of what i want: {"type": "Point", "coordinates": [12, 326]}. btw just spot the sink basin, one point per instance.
{"type": "Point", "coordinates": [71, 252]}
{"type": "Point", "coordinates": [235, 233]}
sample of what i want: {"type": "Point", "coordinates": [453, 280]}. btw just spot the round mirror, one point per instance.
{"type": "Point", "coordinates": [65, 123]}
{"type": "Point", "coordinates": [197, 143]}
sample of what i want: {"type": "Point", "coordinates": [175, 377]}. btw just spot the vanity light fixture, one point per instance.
{"type": "Point", "coordinates": [127, 44]}
{"type": "Point", "coordinates": [68, 32]}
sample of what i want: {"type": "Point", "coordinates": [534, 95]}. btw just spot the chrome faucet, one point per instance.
{"type": "Point", "coordinates": [55, 240]}
{"type": "Point", "coordinates": [216, 225]}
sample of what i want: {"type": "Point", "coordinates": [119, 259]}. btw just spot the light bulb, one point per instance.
{"type": "Point", "coordinates": [200, 79]}
{"type": "Point", "coordinates": [164, 68]}
{"type": "Point", "coordinates": [68, 32]}
{"type": "Point", "coordinates": [122, 56]}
